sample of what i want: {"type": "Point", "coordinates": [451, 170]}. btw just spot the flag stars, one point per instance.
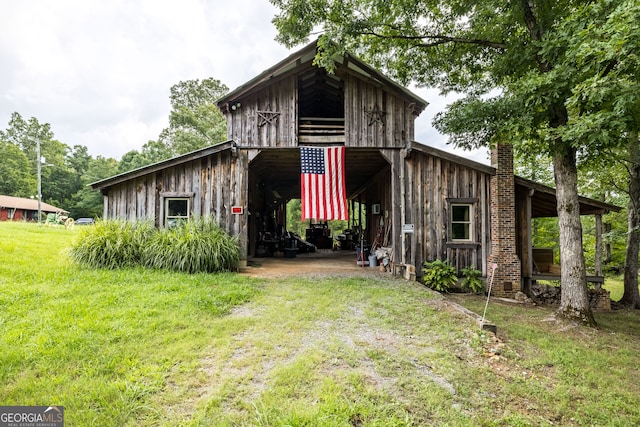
{"type": "Point", "coordinates": [312, 160]}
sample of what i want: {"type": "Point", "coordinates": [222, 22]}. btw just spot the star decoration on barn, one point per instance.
{"type": "Point", "coordinates": [376, 115]}
{"type": "Point", "coordinates": [267, 117]}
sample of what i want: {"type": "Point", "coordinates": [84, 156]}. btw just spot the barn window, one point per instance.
{"type": "Point", "coordinates": [176, 210]}
{"type": "Point", "coordinates": [460, 221]}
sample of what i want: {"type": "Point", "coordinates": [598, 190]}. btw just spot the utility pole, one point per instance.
{"type": "Point", "coordinates": [39, 160]}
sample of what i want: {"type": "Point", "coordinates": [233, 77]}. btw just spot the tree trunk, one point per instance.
{"type": "Point", "coordinates": [631, 297]}
{"type": "Point", "coordinates": [574, 300]}
{"type": "Point", "coordinates": [598, 266]}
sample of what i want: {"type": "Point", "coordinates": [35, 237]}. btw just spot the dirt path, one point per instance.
{"type": "Point", "coordinates": [321, 262]}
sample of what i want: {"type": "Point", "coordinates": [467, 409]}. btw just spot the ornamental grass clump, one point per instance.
{"type": "Point", "coordinates": [111, 244]}
{"type": "Point", "coordinates": [195, 246]}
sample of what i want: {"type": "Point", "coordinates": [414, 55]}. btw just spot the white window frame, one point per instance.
{"type": "Point", "coordinates": [468, 222]}
{"type": "Point", "coordinates": [168, 218]}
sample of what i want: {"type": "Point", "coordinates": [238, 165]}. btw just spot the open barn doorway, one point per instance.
{"type": "Point", "coordinates": [335, 234]}
{"type": "Point", "coordinates": [274, 204]}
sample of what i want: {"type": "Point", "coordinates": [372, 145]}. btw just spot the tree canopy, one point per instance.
{"type": "Point", "coordinates": [195, 121]}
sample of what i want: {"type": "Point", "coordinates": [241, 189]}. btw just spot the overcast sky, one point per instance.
{"type": "Point", "coordinates": [100, 71]}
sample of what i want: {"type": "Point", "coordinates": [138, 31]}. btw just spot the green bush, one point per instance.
{"type": "Point", "coordinates": [472, 279]}
{"type": "Point", "coordinates": [439, 275]}
{"type": "Point", "coordinates": [198, 245]}
{"type": "Point", "coordinates": [111, 244]}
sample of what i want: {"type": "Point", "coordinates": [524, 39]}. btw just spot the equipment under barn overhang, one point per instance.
{"type": "Point", "coordinates": [278, 171]}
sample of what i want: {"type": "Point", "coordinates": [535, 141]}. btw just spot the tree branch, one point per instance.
{"type": "Point", "coordinates": [439, 40]}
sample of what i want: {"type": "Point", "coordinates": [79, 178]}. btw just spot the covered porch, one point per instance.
{"type": "Point", "coordinates": [535, 200]}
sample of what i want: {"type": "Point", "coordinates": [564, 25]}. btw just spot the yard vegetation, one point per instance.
{"type": "Point", "coordinates": [143, 347]}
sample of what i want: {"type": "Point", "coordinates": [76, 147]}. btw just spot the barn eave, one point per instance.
{"type": "Point", "coordinates": [173, 161]}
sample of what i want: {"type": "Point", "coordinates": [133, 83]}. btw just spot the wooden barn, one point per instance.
{"type": "Point", "coordinates": [425, 203]}
{"type": "Point", "coordinates": [22, 209]}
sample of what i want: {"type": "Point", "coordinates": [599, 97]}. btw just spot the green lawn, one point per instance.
{"type": "Point", "coordinates": [145, 348]}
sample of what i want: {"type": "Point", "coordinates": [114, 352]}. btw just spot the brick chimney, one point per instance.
{"type": "Point", "coordinates": [507, 275]}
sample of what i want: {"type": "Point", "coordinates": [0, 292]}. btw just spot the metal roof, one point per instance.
{"type": "Point", "coordinates": [194, 155]}
{"type": "Point", "coordinates": [12, 202]}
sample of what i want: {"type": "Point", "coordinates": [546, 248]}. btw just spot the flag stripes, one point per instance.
{"type": "Point", "coordinates": [322, 182]}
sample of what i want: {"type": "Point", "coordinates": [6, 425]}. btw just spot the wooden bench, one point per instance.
{"type": "Point", "coordinates": [545, 269]}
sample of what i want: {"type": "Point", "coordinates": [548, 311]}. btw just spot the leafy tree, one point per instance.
{"type": "Point", "coordinates": [607, 102]}
{"type": "Point", "coordinates": [195, 121]}
{"type": "Point", "coordinates": [15, 176]}
{"type": "Point", "coordinates": [521, 48]}
{"type": "Point", "coordinates": [87, 202]}
{"type": "Point", "coordinates": [151, 152]}
{"type": "Point", "coordinates": [132, 160]}
{"type": "Point", "coordinates": [58, 180]}
{"type": "Point", "coordinates": [631, 295]}
{"type": "Point", "coordinates": [78, 159]}
{"type": "Point", "coordinates": [24, 134]}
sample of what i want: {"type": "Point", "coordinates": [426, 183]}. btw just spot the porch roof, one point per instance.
{"type": "Point", "coordinates": [544, 201]}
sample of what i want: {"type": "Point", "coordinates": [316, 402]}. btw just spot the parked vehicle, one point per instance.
{"type": "Point", "coordinates": [85, 221]}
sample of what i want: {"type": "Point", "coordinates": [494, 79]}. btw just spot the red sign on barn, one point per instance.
{"type": "Point", "coordinates": [237, 210]}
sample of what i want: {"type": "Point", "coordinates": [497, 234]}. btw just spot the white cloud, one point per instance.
{"type": "Point", "coordinates": [100, 71]}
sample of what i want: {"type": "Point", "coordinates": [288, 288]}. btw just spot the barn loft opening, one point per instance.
{"type": "Point", "coordinates": [320, 107]}
{"type": "Point", "coordinates": [320, 94]}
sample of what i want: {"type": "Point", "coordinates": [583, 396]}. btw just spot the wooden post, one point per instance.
{"type": "Point", "coordinates": [598, 260]}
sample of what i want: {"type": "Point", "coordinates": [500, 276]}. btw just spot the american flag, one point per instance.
{"type": "Point", "coordinates": [323, 192]}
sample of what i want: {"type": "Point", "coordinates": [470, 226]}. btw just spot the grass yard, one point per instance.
{"type": "Point", "coordinates": [146, 348]}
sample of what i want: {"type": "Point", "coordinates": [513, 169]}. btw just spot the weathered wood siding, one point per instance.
{"type": "Point", "coordinates": [244, 122]}
{"type": "Point", "coordinates": [213, 183]}
{"type": "Point", "coordinates": [432, 183]}
{"type": "Point", "coordinates": [361, 98]}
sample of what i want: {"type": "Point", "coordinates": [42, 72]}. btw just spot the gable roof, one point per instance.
{"type": "Point", "coordinates": [305, 56]}
{"type": "Point", "coordinates": [12, 202]}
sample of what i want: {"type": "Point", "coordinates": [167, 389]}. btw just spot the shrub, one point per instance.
{"type": "Point", "coordinates": [111, 244]}
{"type": "Point", "coordinates": [472, 279]}
{"type": "Point", "coordinates": [195, 246]}
{"type": "Point", "coordinates": [439, 275]}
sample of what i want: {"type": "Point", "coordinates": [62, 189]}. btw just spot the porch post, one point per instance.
{"type": "Point", "coordinates": [526, 241]}
{"type": "Point", "coordinates": [598, 261]}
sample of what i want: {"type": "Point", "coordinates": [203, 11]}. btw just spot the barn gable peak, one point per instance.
{"type": "Point", "coordinates": [301, 61]}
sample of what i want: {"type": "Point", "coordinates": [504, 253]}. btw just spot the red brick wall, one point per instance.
{"type": "Point", "coordinates": [507, 275]}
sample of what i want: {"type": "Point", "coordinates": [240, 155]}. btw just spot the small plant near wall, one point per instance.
{"type": "Point", "coordinates": [472, 280]}
{"type": "Point", "coordinates": [439, 275]}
